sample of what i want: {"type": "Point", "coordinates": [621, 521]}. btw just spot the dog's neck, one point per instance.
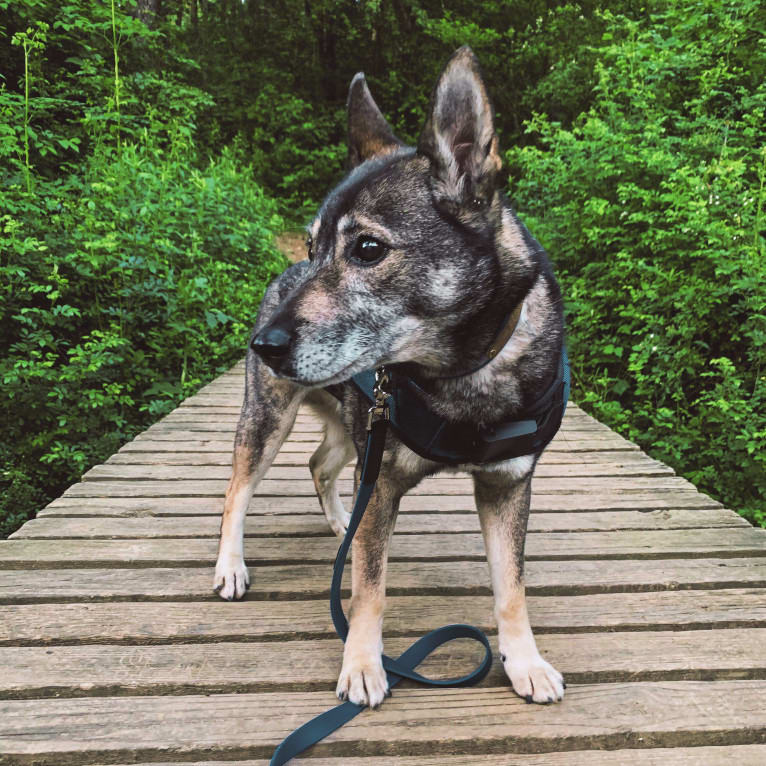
{"type": "Point", "coordinates": [481, 337]}
{"type": "Point", "coordinates": [502, 336]}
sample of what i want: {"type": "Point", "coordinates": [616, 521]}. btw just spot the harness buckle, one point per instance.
{"type": "Point", "coordinates": [379, 410]}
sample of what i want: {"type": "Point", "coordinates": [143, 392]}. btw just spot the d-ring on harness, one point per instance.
{"type": "Point", "coordinates": [500, 443]}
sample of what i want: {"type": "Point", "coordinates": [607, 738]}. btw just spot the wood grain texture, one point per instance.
{"type": "Point", "coordinates": [315, 525]}
{"type": "Point", "coordinates": [283, 621]}
{"type": "Point", "coordinates": [430, 486]}
{"type": "Point", "coordinates": [434, 578]}
{"type": "Point", "coordinates": [737, 541]}
{"type": "Point", "coordinates": [617, 500]}
{"type": "Point", "coordinates": [161, 472]}
{"type": "Point", "coordinates": [412, 722]}
{"type": "Point", "coordinates": [721, 755]}
{"type": "Point", "coordinates": [259, 666]}
{"type": "Point", "coordinates": [221, 443]}
{"type": "Point", "coordinates": [297, 467]}
{"type": "Point", "coordinates": [647, 594]}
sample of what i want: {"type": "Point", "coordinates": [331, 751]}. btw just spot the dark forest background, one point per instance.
{"type": "Point", "coordinates": [150, 149]}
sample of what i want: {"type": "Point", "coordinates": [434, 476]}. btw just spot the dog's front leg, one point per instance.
{"type": "Point", "coordinates": [362, 678]}
{"type": "Point", "coordinates": [267, 415]}
{"type": "Point", "coordinates": [503, 504]}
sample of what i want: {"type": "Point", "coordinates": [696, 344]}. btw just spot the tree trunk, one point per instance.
{"type": "Point", "coordinates": [146, 11]}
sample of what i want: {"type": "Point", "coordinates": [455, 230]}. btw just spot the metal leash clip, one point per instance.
{"type": "Point", "coordinates": [379, 410]}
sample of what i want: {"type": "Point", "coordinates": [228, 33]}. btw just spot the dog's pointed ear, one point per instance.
{"type": "Point", "coordinates": [459, 136]}
{"type": "Point", "coordinates": [369, 135]}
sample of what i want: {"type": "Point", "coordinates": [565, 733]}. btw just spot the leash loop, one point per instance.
{"type": "Point", "coordinates": [403, 666]}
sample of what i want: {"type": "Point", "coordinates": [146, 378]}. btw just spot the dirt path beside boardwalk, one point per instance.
{"type": "Point", "coordinates": [293, 245]}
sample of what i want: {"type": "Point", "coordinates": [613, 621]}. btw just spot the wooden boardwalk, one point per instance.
{"type": "Point", "coordinates": [646, 594]}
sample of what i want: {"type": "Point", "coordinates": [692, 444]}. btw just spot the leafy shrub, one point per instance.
{"type": "Point", "coordinates": [129, 274]}
{"type": "Point", "coordinates": [121, 294]}
{"type": "Point", "coordinates": [652, 205]}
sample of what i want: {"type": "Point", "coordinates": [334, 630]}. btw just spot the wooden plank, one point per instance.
{"type": "Point", "coordinates": [306, 422]}
{"type": "Point", "coordinates": [412, 722]}
{"type": "Point", "coordinates": [303, 525]}
{"type": "Point", "coordinates": [434, 578]}
{"type": "Point", "coordinates": [249, 620]}
{"type": "Point", "coordinates": [291, 465]}
{"type": "Point", "coordinates": [736, 542]}
{"type": "Point", "coordinates": [715, 755]}
{"type": "Point", "coordinates": [121, 472]}
{"type": "Point", "coordinates": [181, 421]}
{"type": "Point", "coordinates": [541, 502]}
{"type": "Point", "coordinates": [221, 444]}
{"type": "Point", "coordinates": [156, 433]}
{"type": "Point", "coordinates": [221, 430]}
{"type": "Point", "coordinates": [283, 488]}
{"type": "Point", "coordinates": [312, 665]}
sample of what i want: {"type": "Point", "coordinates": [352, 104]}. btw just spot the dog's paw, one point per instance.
{"type": "Point", "coordinates": [231, 578]}
{"type": "Point", "coordinates": [339, 522]}
{"type": "Point", "coordinates": [363, 680]}
{"type": "Point", "coordinates": [534, 679]}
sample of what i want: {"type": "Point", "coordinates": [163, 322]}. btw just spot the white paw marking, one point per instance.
{"type": "Point", "coordinates": [231, 578]}
{"type": "Point", "coordinates": [534, 679]}
{"type": "Point", "coordinates": [362, 679]}
{"type": "Point", "coordinates": [338, 519]}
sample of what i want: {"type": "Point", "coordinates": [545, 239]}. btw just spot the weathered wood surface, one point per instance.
{"type": "Point", "coordinates": [648, 595]}
{"type": "Point", "coordinates": [644, 500]}
{"type": "Point", "coordinates": [295, 465]}
{"type": "Point", "coordinates": [721, 755]}
{"type": "Point", "coordinates": [307, 581]}
{"type": "Point", "coordinates": [315, 525]}
{"type": "Point", "coordinates": [258, 666]}
{"type": "Point", "coordinates": [163, 472]}
{"type": "Point", "coordinates": [267, 620]}
{"type": "Point", "coordinates": [437, 721]}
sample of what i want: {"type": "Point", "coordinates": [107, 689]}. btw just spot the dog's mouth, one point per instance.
{"type": "Point", "coordinates": [358, 365]}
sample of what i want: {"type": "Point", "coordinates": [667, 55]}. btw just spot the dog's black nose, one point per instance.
{"type": "Point", "coordinates": [272, 344]}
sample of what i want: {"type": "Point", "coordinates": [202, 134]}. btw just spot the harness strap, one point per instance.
{"type": "Point", "coordinates": [453, 443]}
{"type": "Point", "coordinates": [403, 666]}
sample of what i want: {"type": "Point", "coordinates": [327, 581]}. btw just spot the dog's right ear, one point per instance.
{"type": "Point", "coordinates": [369, 135]}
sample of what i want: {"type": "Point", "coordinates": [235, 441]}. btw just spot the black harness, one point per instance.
{"type": "Point", "coordinates": [454, 443]}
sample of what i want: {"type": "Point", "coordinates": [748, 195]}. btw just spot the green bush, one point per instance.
{"type": "Point", "coordinates": [120, 295]}
{"type": "Point", "coordinates": [131, 267]}
{"type": "Point", "coordinates": [652, 206]}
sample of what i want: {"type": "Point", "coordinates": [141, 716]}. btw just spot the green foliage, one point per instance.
{"type": "Point", "coordinates": [281, 72]}
{"type": "Point", "coordinates": [652, 204]}
{"type": "Point", "coordinates": [135, 240]}
{"type": "Point", "coordinates": [127, 278]}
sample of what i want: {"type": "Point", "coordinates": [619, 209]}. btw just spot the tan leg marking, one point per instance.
{"type": "Point", "coordinates": [362, 678]}
{"type": "Point", "coordinates": [231, 576]}
{"type": "Point", "coordinates": [503, 523]}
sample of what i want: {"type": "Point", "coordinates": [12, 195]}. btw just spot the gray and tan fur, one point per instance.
{"type": "Point", "coordinates": [454, 261]}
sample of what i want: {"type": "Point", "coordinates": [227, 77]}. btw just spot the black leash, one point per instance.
{"type": "Point", "coordinates": [403, 666]}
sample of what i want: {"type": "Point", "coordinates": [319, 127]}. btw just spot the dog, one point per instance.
{"type": "Point", "coordinates": [414, 261]}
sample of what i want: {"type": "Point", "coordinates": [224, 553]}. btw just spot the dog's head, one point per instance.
{"type": "Point", "coordinates": [403, 252]}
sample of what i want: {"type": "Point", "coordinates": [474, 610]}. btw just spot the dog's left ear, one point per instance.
{"type": "Point", "coordinates": [369, 135]}
{"type": "Point", "coordinates": [459, 136]}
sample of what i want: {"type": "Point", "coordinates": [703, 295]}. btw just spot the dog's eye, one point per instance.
{"type": "Point", "coordinates": [368, 250]}
{"type": "Point", "coordinates": [309, 247]}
